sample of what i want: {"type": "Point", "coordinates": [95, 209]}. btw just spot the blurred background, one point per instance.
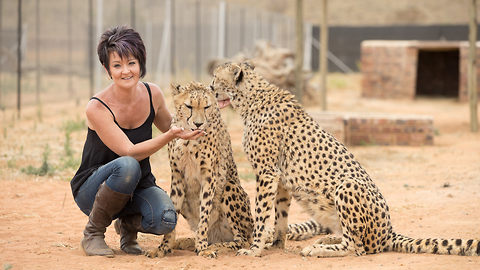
{"type": "Point", "coordinates": [56, 40]}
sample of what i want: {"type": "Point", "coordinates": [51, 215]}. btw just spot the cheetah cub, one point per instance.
{"type": "Point", "coordinates": [205, 187]}
{"type": "Point", "coordinates": [294, 157]}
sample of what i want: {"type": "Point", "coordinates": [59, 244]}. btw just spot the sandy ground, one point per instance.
{"type": "Point", "coordinates": [432, 191]}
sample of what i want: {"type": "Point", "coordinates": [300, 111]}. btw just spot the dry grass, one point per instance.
{"type": "Point", "coordinates": [24, 141]}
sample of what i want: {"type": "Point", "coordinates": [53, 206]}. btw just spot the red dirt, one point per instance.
{"type": "Point", "coordinates": [432, 191]}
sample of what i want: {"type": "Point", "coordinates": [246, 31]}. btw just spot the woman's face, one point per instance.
{"type": "Point", "coordinates": [125, 71]}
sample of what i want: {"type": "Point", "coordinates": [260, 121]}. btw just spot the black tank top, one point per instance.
{"type": "Point", "coordinates": [96, 153]}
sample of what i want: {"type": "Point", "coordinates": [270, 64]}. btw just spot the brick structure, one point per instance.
{"type": "Point", "coordinates": [377, 128]}
{"type": "Point", "coordinates": [405, 69]}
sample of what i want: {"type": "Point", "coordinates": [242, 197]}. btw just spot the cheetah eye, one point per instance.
{"type": "Point", "coordinates": [188, 106]}
{"type": "Point", "coordinates": [206, 107]}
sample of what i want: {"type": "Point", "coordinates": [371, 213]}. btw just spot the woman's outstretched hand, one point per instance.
{"type": "Point", "coordinates": [181, 133]}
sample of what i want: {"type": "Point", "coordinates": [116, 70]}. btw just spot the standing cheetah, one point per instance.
{"type": "Point", "coordinates": [205, 187]}
{"type": "Point", "coordinates": [294, 157]}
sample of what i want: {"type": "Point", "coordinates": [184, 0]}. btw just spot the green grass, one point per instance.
{"type": "Point", "coordinates": [71, 126]}
{"type": "Point", "coordinates": [45, 168]}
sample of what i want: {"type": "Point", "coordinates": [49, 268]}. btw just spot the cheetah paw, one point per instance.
{"type": "Point", "coordinates": [184, 244]}
{"type": "Point", "coordinates": [310, 251]}
{"type": "Point", "coordinates": [157, 253]}
{"type": "Point", "coordinates": [248, 252]}
{"type": "Point", "coordinates": [208, 254]}
{"type": "Point", "coordinates": [275, 245]}
{"type": "Point", "coordinates": [324, 251]}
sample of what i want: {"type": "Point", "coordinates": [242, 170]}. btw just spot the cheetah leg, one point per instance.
{"type": "Point", "coordinates": [206, 203]}
{"type": "Point", "coordinates": [282, 206]}
{"type": "Point", "coordinates": [164, 248]}
{"type": "Point", "coordinates": [240, 240]}
{"type": "Point", "coordinates": [239, 221]}
{"type": "Point", "coordinates": [226, 246]}
{"type": "Point", "coordinates": [350, 244]}
{"type": "Point", "coordinates": [266, 186]}
{"type": "Point", "coordinates": [177, 198]}
{"type": "Point", "coordinates": [184, 243]}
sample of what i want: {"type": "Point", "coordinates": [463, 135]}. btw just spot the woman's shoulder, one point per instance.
{"type": "Point", "coordinates": [102, 96]}
{"type": "Point", "coordinates": [98, 100]}
{"type": "Point", "coordinates": [157, 94]}
{"type": "Point", "coordinates": [98, 107]}
{"type": "Point", "coordinates": [153, 88]}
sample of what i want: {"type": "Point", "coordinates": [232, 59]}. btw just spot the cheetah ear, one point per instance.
{"type": "Point", "coordinates": [250, 64]}
{"type": "Point", "coordinates": [210, 87]}
{"type": "Point", "coordinates": [237, 73]}
{"type": "Point", "coordinates": [175, 88]}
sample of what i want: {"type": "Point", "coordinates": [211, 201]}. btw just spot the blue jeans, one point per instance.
{"type": "Point", "coordinates": [122, 175]}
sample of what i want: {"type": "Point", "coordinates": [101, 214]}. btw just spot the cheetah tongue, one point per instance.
{"type": "Point", "coordinates": [223, 103]}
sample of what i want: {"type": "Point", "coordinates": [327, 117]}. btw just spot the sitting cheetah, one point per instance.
{"type": "Point", "coordinates": [293, 156]}
{"type": "Point", "coordinates": [205, 187]}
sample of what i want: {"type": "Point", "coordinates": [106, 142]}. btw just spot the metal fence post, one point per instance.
{"type": "Point", "coordinates": [221, 29]}
{"type": "Point", "coordinates": [98, 68]}
{"type": "Point", "coordinates": [19, 59]}
{"type": "Point", "coordinates": [299, 51]}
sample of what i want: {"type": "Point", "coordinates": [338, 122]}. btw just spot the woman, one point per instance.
{"type": "Point", "coordinates": [114, 179]}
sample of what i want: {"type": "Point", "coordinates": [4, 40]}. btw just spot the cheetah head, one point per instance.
{"type": "Point", "coordinates": [194, 103]}
{"type": "Point", "coordinates": [226, 81]}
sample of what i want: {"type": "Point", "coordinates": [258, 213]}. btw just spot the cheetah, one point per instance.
{"type": "Point", "coordinates": [205, 187]}
{"type": "Point", "coordinates": [292, 156]}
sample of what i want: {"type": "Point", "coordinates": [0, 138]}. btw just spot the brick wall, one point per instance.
{"type": "Point", "coordinates": [389, 130]}
{"type": "Point", "coordinates": [389, 68]}
{"type": "Point", "coordinates": [377, 129]}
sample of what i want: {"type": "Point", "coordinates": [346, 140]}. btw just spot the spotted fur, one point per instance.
{"type": "Point", "coordinates": [294, 157]}
{"type": "Point", "coordinates": [205, 186]}
{"type": "Point", "coordinates": [300, 231]}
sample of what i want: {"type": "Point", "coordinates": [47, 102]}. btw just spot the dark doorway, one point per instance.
{"type": "Point", "coordinates": [438, 73]}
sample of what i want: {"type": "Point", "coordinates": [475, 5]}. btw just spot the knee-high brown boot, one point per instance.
{"type": "Point", "coordinates": [128, 227]}
{"type": "Point", "coordinates": [107, 203]}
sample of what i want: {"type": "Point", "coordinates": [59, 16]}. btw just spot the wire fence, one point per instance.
{"type": "Point", "coordinates": [58, 39]}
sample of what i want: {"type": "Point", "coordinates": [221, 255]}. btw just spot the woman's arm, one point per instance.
{"type": "Point", "coordinates": [163, 117]}
{"type": "Point", "coordinates": [101, 120]}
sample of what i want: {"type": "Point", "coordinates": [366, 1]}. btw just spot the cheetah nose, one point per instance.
{"type": "Point", "coordinates": [198, 124]}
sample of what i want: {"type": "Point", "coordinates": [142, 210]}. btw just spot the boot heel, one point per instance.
{"type": "Point", "coordinates": [128, 227]}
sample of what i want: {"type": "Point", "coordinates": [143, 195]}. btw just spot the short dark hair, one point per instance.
{"type": "Point", "coordinates": [125, 42]}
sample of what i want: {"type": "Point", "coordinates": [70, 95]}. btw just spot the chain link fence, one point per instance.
{"type": "Point", "coordinates": [58, 41]}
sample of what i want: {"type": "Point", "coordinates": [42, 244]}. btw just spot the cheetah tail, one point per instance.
{"type": "Point", "coordinates": [462, 247]}
{"type": "Point", "coordinates": [301, 231]}
{"type": "Point", "coordinates": [306, 230]}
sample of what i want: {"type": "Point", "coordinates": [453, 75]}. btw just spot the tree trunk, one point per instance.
{"type": "Point", "coordinates": [323, 55]}
{"type": "Point", "coordinates": [299, 51]}
{"type": "Point", "coordinates": [472, 70]}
